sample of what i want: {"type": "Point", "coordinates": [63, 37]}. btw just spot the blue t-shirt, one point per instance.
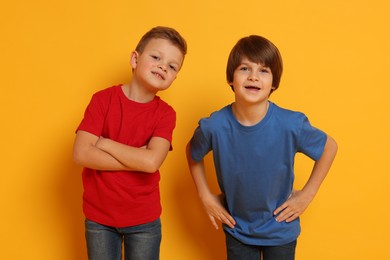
{"type": "Point", "coordinates": [255, 167]}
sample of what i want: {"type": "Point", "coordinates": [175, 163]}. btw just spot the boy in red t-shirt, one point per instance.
{"type": "Point", "coordinates": [122, 141]}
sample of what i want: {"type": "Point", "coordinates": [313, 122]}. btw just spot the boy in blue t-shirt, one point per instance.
{"type": "Point", "coordinates": [254, 143]}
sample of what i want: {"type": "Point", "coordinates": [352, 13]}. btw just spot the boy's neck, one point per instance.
{"type": "Point", "coordinates": [137, 94]}
{"type": "Point", "coordinates": [249, 115]}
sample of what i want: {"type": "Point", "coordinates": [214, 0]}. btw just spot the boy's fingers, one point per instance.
{"type": "Point", "coordinates": [216, 211]}
{"type": "Point", "coordinates": [287, 215]}
{"type": "Point", "coordinates": [223, 217]}
{"type": "Point", "coordinates": [282, 213]}
{"type": "Point", "coordinates": [292, 217]}
{"type": "Point", "coordinates": [232, 221]}
{"type": "Point", "coordinates": [226, 218]}
{"type": "Point", "coordinates": [213, 222]}
{"type": "Point", "coordinates": [280, 209]}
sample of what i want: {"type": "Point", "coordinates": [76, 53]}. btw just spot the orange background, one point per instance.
{"type": "Point", "coordinates": [56, 54]}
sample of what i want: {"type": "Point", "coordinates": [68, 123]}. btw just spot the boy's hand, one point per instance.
{"type": "Point", "coordinates": [100, 142]}
{"type": "Point", "coordinates": [296, 204]}
{"type": "Point", "coordinates": [293, 207]}
{"type": "Point", "coordinates": [213, 205]}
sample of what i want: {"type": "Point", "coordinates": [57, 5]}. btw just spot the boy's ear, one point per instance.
{"type": "Point", "coordinates": [134, 59]}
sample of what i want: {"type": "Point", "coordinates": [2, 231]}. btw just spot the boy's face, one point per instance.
{"type": "Point", "coordinates": [252, 82]}
{"type": "Point", "coordinates": [157, 66]}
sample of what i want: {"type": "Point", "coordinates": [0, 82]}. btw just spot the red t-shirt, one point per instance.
{"type": "Point", "coordinates": [124, 198]}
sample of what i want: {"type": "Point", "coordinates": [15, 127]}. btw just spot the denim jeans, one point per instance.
{"type": "Point", "coordinates": [141, 242]}
{"type": "Point", "coordinates": [236, 250]}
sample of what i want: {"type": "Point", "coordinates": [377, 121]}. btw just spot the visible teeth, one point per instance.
{"type": "Point", "coordinates": [157, 74]}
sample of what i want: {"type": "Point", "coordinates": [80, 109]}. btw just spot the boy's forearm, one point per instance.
{"type": "Point", "coordinates": [198, 175]}
{"type": "Point", "coordinates": [86, 154]}
{"type": "Point", "coordinates": [321, 168]}
{"type": "Point", "coordinates": [199, 178]}
{"type": "Point", "coordinates": [100, 160]}
{"type": "Point", "coordinates": [148, 159]}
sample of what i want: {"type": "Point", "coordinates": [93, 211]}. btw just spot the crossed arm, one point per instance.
{"type": "Point", "coordinates": [291, 209]}
{"type": "Point", "coordinates": [105, 154]}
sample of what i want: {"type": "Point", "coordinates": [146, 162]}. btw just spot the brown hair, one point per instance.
{"type": "Point", "coordinates": [161, 32]}
{"type": "Point", "coordinates": [259, 50]}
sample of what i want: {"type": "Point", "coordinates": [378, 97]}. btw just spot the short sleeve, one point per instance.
{"type": "Point", "coordinates": [311, 140]}
{"type": "Point", "coordinates": [200, 145]}
{"type": "Point", "coordinates": [94, 115]}
{"type": "Point", "coordinates": [166, 124]}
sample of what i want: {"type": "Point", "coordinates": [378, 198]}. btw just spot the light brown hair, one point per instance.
{"type": "Point", "coordinates": [162, 32]}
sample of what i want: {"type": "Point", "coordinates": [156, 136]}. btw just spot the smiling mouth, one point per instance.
{"type": "Point", "coordinates": [252, 88]}
{"type": "Point", "coordinates": [158, 75]}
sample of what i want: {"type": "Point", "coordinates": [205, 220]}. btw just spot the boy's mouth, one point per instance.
{"type": "Point", "coordinates": [158, 75]}
{"type": "Point", "coordinates": [252, 88]}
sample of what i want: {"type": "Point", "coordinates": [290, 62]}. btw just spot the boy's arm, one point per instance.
{"type": "Point", "coordinates": [86, 153]}
{"type": "Point", "coordinates": [138, 159]}
{"type": "Point", "coordinates": [212, 203]}
{"type": "Point", "coordinates": [300, 200]}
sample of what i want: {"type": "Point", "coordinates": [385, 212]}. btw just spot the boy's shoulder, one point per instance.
{"type": "Point", "coordinates": [105, 95]}
{"type": "Point", "coordinates": [218, 114]}
{"type": "Point", "coordinates": [288, 119]}
{"type": "Point", "coordinates": [163, 105]}
{"type": "Point", "coordinates": [286, 113]}
{"type": "Point", "coordinates": [109, 90]}
{"type": "Point", "coordinates": [217, 120]}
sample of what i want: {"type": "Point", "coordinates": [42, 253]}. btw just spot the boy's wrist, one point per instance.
{"type": "Point", "coordinates": [308, 193]}
{"type": "Point", "coordinates": [204, 195]}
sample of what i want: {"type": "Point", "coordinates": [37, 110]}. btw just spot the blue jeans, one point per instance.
{"type": "Point", "coordinates": [141, 242]}
{"type": "Point", "coordinates": [236, 250]}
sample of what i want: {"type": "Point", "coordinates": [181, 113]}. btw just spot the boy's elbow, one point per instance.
{"type": "Point", "coordinates": [77, 157]}
{"type": "Point", "coordinates": [333, 143]}
{"type": "Point", "coordinates": [151, 165]}
{"type": "Point", "coordinates": [331, 146]}
{"type": "Point", "coordinates": [80, 155]}
{"type": "Point", "coordinates": [151, 169]}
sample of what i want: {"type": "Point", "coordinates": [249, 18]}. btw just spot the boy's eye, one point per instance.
{"type": "Point", "coordinates": [244, 68]}
{"type": "Point", "coordinates": [265, 70]}
{"type": "Point", "coordinates": [154, 57]}
{"type": "Point", "coordinates": [173, 67]}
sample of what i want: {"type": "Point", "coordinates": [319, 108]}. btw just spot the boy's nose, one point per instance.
{"type": "Point", "coordinates": [253, 77]}
{"type": "Point", "coordinates": [162, 67]}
